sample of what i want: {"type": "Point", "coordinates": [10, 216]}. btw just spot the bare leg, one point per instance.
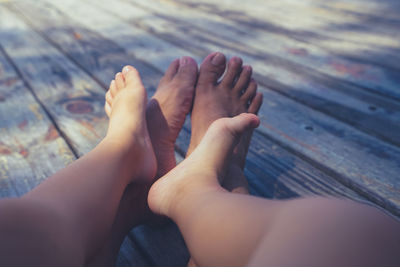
{"type": "Point", "coordinates": [165, 115]}
{"type": "Point", "coordinates": [225, 229]}
{"type": "Point", "coordinates": [66, 217]}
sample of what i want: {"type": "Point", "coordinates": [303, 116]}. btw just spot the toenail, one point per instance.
{"type": "Point", "coordinates": [237, 59]}
{"type": "Point", "coordinates": [218, 59]}
{"type": "Point", "coordinates": [183, 61]}
{"type": "Point", "coordinates": [247, 68]}
{"type": "Point", "coordinates": [125, 69]}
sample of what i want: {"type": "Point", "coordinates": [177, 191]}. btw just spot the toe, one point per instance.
{"type": "Point", "coordinates": [243, 80]}
{"type": "Point", "coordinates": [109, 98]}
{"type": "Point", "coordinates": [172, 70]}
{"type": "Point", "coordinates": [241, 123]}
{"type": "Point", "coordinates": [113, 88]}
{"type": "Point", "coordinates": [132, 77]}
{"type": "Point", "coordinates": [249, 92]}
{"type": "Point", "coordinates": [224, 134]}
{"type": "Point", "coordinates": [256, 103]}
{"type": "Point", "coordinates": [233, 72]}
{"type": "Point", "coordinates": [119, 81]}
{"type": "Point", "coordinates": [187, 71]}
{"type": "Point", "coordinates": [107, 109]}
{"type": "Point", "coordinates": [211, 69]}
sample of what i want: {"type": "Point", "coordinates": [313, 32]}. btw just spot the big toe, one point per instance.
{"type": "Point", "coordinates": [132, 77]}
{"type": "Point", "coordinates": [187, 71]}
{"type": "Point", "coordinates": [224, 134]}
{"type": "Point", "coordinates": [212, 68]}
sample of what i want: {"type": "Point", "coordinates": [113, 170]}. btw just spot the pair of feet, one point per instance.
{"type": "Point", "coordinates": [150, 129]}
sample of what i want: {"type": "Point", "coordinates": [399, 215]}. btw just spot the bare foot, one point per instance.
{"type": "Point", "coordinates": [168, 108]}
{"type": "Point", "coordinates": [204, 169]}
{"type": "Point", "coordinates": [236, 93]}
{"type": "Point", "coordinates": [126, 107]}
{"type": "Point", "coordinates": [166, 113]}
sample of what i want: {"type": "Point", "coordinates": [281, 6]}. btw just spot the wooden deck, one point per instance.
{"type": "Point", "coordinates": [329, 72]}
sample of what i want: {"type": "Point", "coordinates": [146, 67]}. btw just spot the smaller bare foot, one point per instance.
{"type": "Point", "coordinates": [165, 114]}
{"type": "Point", "coordinates": [125, 105]}
{"type": "Point", "coordinates": [236, 93]}
{"type": "Point", "coordinates": [204, 168]}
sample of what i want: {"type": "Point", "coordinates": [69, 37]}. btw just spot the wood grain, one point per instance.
{"type": "Point", "coordinates": [334, 147]}
{"type": "Point", "coordinates": [308, 55]}
{"type": "Point", "coordinates": [31, 148]}
{"type": "Point", "coordinates": [146, 239]}
{"type": "Point", "coordinates": [91, 17]}
{"type": "Point", "coordinates": [71, 97]}
{"type": "Point", "coordinates": [296, 76]}
{"type": "Point", "coordinates": [68, 54]}
{"type": "Point", "coordinates": [289, 20]}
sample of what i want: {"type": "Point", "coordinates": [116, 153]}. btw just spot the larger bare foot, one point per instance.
{"type": "Point", "coordinates": [236, 93]}
{"type": "Point", "coordinates": [167, 110]}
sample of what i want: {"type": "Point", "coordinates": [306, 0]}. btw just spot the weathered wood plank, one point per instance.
{"type": "Point", "coordinates": [132, 44]}
{"type": "Point", "coordinates": [371, 8]}
{"type": "Point", "coordinates": [106, 30]}
{"type": "Point", "coordinates": [103, 60]}
{"type": "Point", "coordinates": [342, 148]}
{"type": "Point", "coordinates": [327, 15]}
{"type": "Point", "coordinates": [170, 248]}
{"type": "Point", "coordinates": [383, 50]}
{"type": "Point", "coordinates": [71, 97]}
{"type": "Point", "coordinates": [353, 170]}
{"type": "Point", "coordinates": [68, 94]}
{"type": "Point", "coordinates": [151, 241]}
{"type": "Point", "coordinates": [371, 113]}
{"type": "Point", "coordinates": [31, 148]}
{"type": "Point", "coordinates": [131, 256]}
{"type": "Point", "coordinates": [308, 55]}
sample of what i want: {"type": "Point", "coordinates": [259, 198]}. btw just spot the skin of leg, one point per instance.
{"type": "Point", "coordinates": [165, 114]}
{"type": "Point", "coordinates": [329, 232]}
{"type": "Point", "coordinates": [225, 229]}
{"type": "Point", "coordinates": [78, 204]}
{"type": "Point", "coordinates": [234, 94]}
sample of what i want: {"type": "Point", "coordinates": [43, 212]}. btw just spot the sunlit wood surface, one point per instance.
{"type": "Point", "coordinates": [329, 72]}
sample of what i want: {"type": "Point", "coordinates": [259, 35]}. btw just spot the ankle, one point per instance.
{"type": "Point", "coordinates": [194, 201]}
{"type": "Point", "coordinates": [126, 154]}
{"type": "Point", "coordinates": [192, 192]}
